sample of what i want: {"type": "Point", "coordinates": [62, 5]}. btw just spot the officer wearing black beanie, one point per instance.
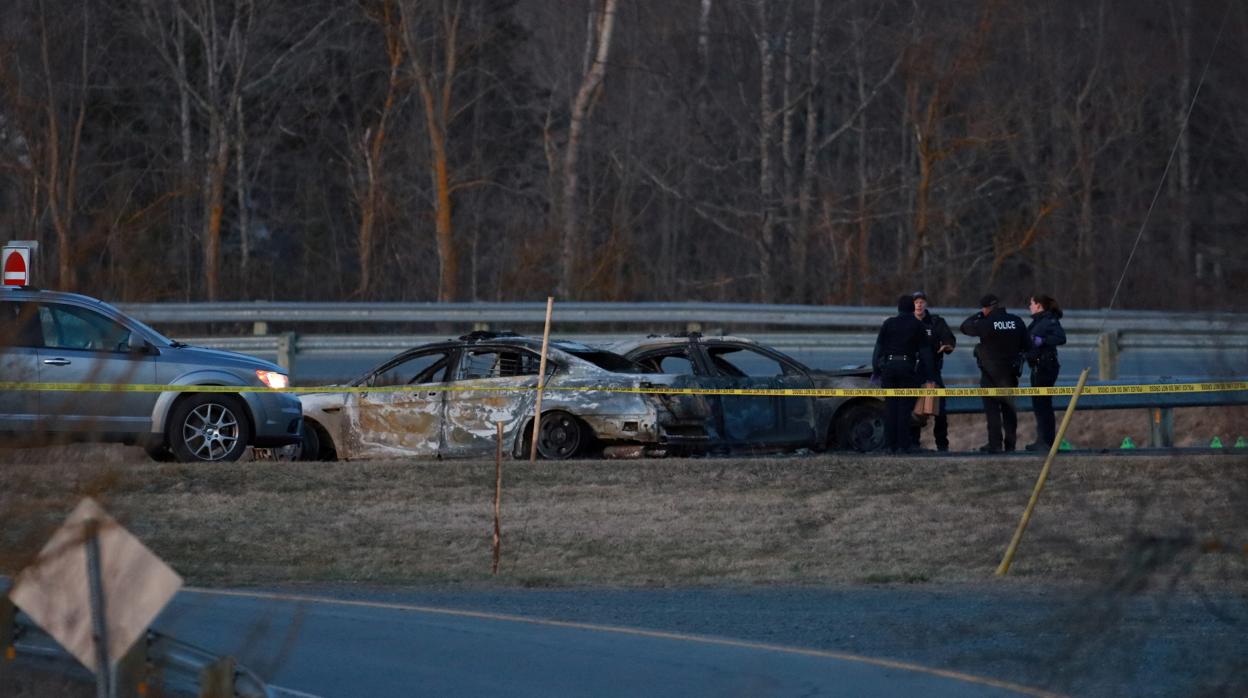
{"type": "Point", "coordinates": [902, 359]}
{"type": "Point", "coordinates": [1003, 340]}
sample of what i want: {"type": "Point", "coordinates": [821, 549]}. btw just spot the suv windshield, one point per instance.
{"type": "Point", "coordinates": [143, 327]}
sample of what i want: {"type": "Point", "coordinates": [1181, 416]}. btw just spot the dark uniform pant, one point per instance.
{"type": "Point", "coordinates": [1044, 375]}
{"type": "Point", "coordinates": [898, 374]}
{"type": "Point", "coordinates": [940, 423]}
{"type": "Point", "coordinates": [1000, 411]}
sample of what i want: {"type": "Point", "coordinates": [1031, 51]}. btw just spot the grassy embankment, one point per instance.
{"type": "Point", "coordinates": [834, 519]}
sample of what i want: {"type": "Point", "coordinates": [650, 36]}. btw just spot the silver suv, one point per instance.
{"type": "Point", "coordinates": [51, 337]}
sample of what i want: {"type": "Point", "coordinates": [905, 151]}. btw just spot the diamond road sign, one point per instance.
{"type": "Point", "coordinates": [54, 590]}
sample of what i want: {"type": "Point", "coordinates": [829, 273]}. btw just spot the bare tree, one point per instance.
{"type": "Point", "coordinates": [435, 59]}
{"type": "Point", "coordinates": [599, 42]}
{"type": "Point", "coordinates": [368, 186]}
{"type": "Point", "coordinates": [59, 164]}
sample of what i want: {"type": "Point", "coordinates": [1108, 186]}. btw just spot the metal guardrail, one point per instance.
{"type": "Point", "coordinates": [646, 314]}
{"type": "Point", "coordinates": [182, 667]}
{"type": "Point", "coordinates": [1103, 333]}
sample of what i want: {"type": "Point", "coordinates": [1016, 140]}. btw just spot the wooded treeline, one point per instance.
{"type": "Point", "coordinates": [813, 151]}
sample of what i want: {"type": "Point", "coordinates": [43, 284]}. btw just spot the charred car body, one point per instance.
{"type": "Point", "coordinates": [445, 400]}
{"type": "Point", "coordinates": [765, 422]}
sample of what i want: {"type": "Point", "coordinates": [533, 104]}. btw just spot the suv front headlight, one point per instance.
{"type": "Point", "coordinates": [273, 379]}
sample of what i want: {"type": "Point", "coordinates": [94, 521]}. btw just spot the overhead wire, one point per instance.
{"type": "Point", "coordinates": [1166, 171]}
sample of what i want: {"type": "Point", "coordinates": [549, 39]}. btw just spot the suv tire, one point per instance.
{"type": "Point", "coordinates": [209, 428]}
{"type": "Point", "coordinates": [159, 452]}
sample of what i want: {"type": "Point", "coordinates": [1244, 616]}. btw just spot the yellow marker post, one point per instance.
{"type": "Point", "coordinates": [1044, 475]}
{"type": "Point", "coordinates": [498, 497]}
{"type": "Point", "coordinates": [541, 380]}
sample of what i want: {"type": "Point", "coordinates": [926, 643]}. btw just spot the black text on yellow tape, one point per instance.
{"type": "Point", "coordinates": [1140, 389]}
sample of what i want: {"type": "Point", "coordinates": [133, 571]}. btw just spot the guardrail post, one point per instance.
{"type": "Point", "coordinates": [8, 614]}
{"type": "Point", "coordinates": [287, 349]}
{"type": "Point", "coordinates": [130, 679]}
{"type": "Point", "coordinates": [1107, 353]}
{"type": "Point", "coordinates": [1161, 432]}
{"type": "Point", "coordinates": [217, 679]}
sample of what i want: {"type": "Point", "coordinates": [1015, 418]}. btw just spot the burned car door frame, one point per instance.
{"type": "Point", "coordinates": [481, 395]}
{"type": "Point", "coordinates": [792, 418]}
{"type": "Point", "coordinates": [745, 420]}
{"type": "Point", "coordinates": [407, 422]}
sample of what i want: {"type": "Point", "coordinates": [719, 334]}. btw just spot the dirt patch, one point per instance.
{"type": "Point", "coordinates": [802, 520]}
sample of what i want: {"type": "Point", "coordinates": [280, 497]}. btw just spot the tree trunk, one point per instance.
{"type": "Point", "coordinates": [765, 244]}
{"type": "Point", "coordinates": [214, 206]}
{"type": "Point", "coordinates": [582, 106]}
{"type": "Point", "coordinates": [806, 185]}
{"type": "Point", "coordinates": [1183, 182]}
{"type": "Point", "coordinates": [187, 176]}
{"type": "Point", "coordinates": [373, 146]}
{"type": "Point", "coordinates": [448, 261]}
{"type": "Point", "coordinates": [241, 192]}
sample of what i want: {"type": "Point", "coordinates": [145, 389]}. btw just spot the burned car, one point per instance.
{"type": "Point", "coordinates": [765, 422]}
{"type": "Point", "coordinates": [445, 400]}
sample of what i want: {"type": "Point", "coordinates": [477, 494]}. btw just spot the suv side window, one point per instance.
{"type": "Point", "coordinates": [19, 325]}
{"type": "Point", "coordinates": [498, 363]}
{"type": "Point", "coordinates": [71, 327]}
{"type": "Point", "coordinates": [424, 368]}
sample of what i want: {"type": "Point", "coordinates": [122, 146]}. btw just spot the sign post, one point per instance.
{"type": "Point", "coordinates": [95, 589]}
{"type": "Point", "coordinates": [99, 631]}
{"type": "Point", "coordinates": [15, 260]}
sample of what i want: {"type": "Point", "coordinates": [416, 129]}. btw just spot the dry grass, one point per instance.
{"type": "Point", "coordinates": [809, 520]}
{"type": "Point", "coordinates": [1193, 426]}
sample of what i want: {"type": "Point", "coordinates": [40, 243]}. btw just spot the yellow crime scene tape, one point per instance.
{"type": "Point", "coordinates": [1139, 389]}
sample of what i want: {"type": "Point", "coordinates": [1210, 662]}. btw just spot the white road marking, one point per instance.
{"type": "Point", "coordinates": [278, 691]}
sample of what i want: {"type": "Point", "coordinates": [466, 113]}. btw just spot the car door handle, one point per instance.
{"type": "Point", "coordinates": [57, 362]}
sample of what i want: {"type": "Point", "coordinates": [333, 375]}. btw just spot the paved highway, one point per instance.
{"type": "Point", "coordinates": [330, 648]}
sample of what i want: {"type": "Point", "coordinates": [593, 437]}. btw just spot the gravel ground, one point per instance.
{"type": "Point", "coordinates": [1076, 640]}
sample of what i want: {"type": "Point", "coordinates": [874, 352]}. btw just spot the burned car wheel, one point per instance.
{"type": "Point", "coordinates": [209, 428]}
{"type": "Point", "coordinates": [861, 427]}
{"type": "Point", "coordinates": [310, 447]}
{"type": "Point", "coordinates": [561, 436]}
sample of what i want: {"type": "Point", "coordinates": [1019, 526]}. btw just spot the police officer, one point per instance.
{"type": "Point", "coordinates": [1003, 340]}
{"type": "Point", "coordinates": [1046, 336]}
{"type": "Point", "coordinates": [902, 359]}
{"type": "Point", "coordinates": [942, 341]}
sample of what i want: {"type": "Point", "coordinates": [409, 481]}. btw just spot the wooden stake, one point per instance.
{"type": "Point", "coordinates": [498, 498]}
{"type": "Point", "coordinates": [541, 381]}
{"type": "Point", "coordinates": [1044, 475]}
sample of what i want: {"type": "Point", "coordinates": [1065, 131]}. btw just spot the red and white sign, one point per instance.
{"type": "Point", "coordinates": [16, 266]}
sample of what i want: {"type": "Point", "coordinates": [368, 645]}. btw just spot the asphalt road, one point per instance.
{"type": "Point", "coordinates": [385, 648]}
{"type": "Point", "coordinates": [725, 642]}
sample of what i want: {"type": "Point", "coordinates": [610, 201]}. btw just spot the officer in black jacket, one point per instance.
{"type": "Point", "coordinates": [902, 359]}
{"type": "Point", "coordinates": [1003, 340]}
{"type": "Point", "coordinates": [1046, 336]}
{"type": "Point", "coordinates": [942, 341]}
